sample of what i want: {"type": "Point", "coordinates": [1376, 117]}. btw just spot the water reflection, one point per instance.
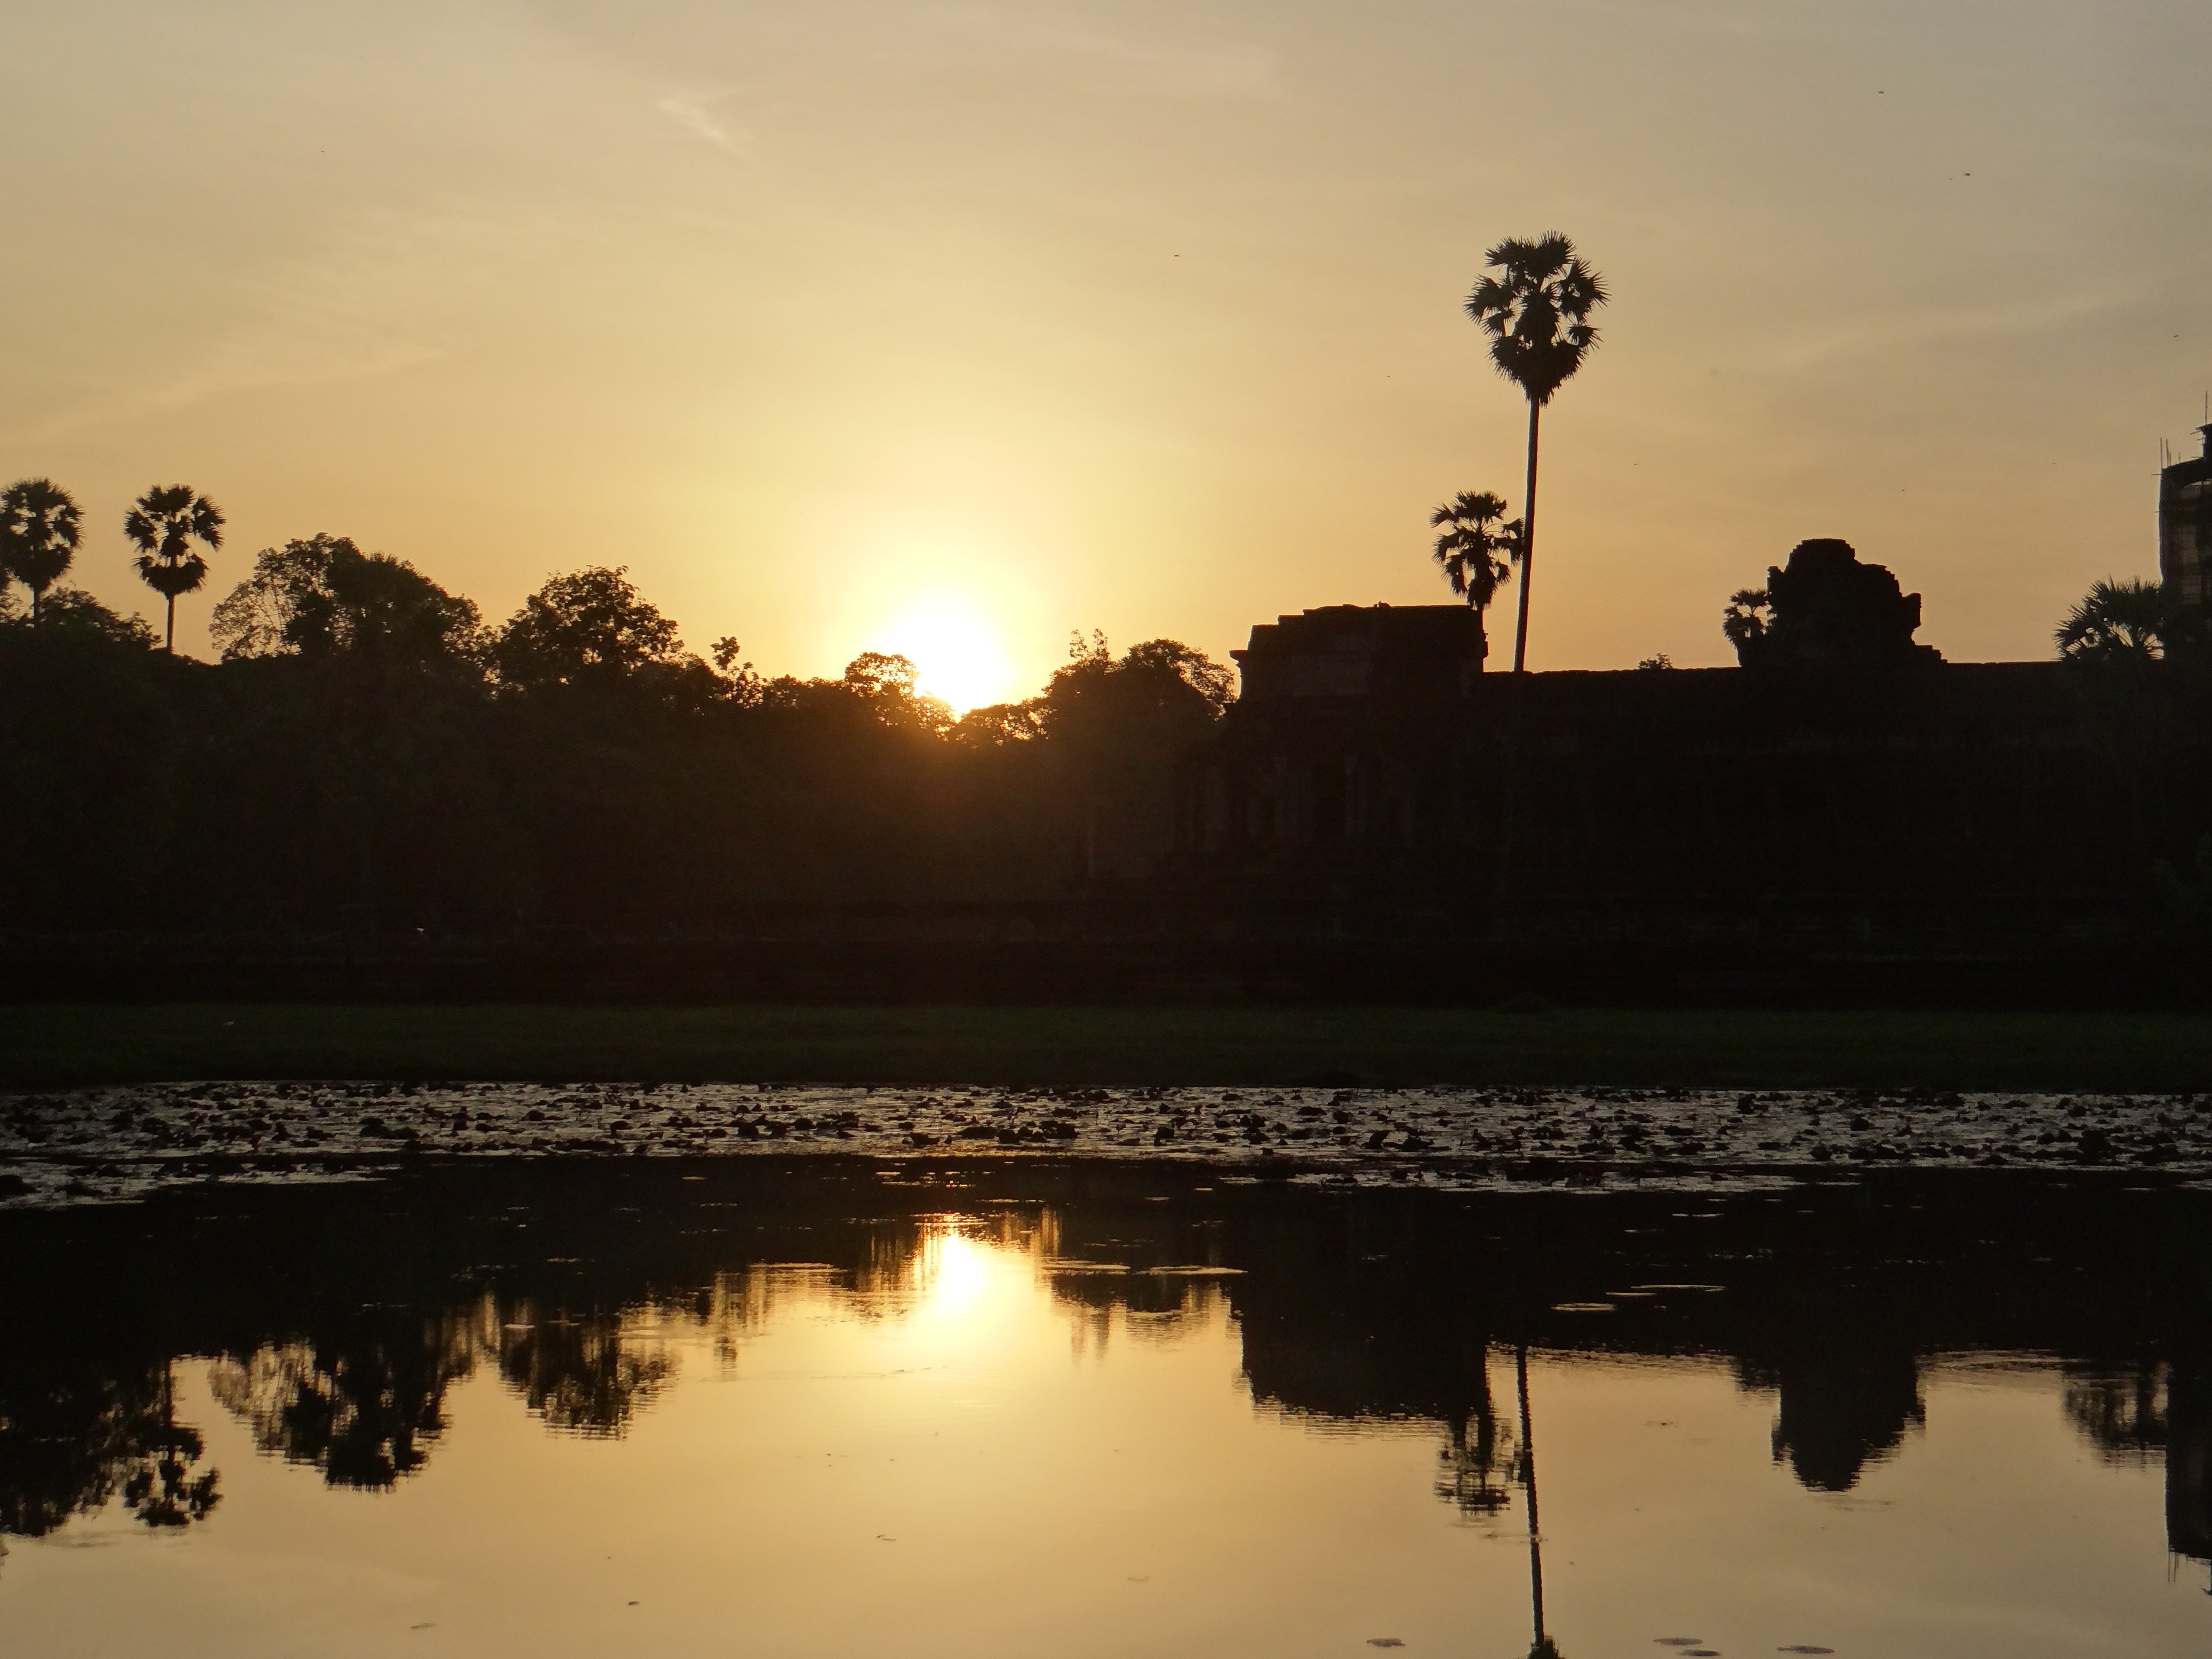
{"type": "Point", "coordinates": [334, 1347]}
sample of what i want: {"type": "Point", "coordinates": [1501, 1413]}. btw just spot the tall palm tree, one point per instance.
{"type": "Point", "coordinates": [39, 528]}
{"type": "Point", "coordinates": [162, 525]}
{"type": "Point", "coordinates": [1474, 542]}
{"type": "Point", "coordinates": [1536, 308]}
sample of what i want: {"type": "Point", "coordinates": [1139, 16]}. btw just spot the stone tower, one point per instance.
{"type": "Point", "coordinates": [2185, 527]}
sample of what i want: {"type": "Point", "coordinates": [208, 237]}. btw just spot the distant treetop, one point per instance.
{"type": "Point", "coordinates": [324, 597]}
{"type": "Point", "coordinates": [589, 624]}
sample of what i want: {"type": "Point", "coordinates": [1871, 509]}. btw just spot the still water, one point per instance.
{"type": "Point", "coordinates": [833, 1408]}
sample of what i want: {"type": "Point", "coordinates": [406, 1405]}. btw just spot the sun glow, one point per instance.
{"type": "Point", "coordinates": [956, 645]}
{"type": "Point", "coordinates": [954, 1272]}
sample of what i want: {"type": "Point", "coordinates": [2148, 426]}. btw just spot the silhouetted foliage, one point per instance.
{"type": "Point", "coordinates": [2117, 622]}
{"type": "Point", "coordinates": [363, 1404]}
{"type": "Point", "coordinates": [79, 1439]}
{"type": "Point", "coordinates": [366, 757]}
{"type": "Point", "coordinates": [39, 526]}
{"type": "Point", "coordinates": [591, 625]}
{"type": "Point", "coordinates": [1750, 611]}
{"type": "Point", "coordinates": [1477, 545]}
{"type": "Point", "coordinates": [580, 1374]}
{"type": "Point", "coordinates": [162, 525]}
{"type": "Point", "coordinates": [324, 597]}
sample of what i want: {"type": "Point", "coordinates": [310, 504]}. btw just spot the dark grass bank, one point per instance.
{"type": "Point", "coordinates": [52, 1045]}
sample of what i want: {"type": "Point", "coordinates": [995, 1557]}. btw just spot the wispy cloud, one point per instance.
{"type": "Point", "coordinates": [1894, 330]}
{"type": "Point", "coordinates": [378, 299]}
{"type": "Point", "coordinates": [1162, 67]}
{"type": "Point", "coordinates": [696, 116]}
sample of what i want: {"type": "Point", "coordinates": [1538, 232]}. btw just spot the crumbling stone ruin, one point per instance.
{"type": "Point", "coordinates": [1825, 609]}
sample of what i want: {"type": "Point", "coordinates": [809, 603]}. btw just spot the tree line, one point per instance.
{"type": "Point", "coordinates": [369, 755]}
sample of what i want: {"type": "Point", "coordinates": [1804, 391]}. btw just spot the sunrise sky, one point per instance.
{"type": "Point", "coordinates": [853, 324]}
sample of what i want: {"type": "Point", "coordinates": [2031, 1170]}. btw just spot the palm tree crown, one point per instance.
{"type": "Point", "coordinates": [39, 528]}
{"type": "Point", "coordinates": [1535, 304]}
{"type": "Point", "coordinates": [2116, 622]}
{"type": "Point", "coordinates": [1476, 541]}
{"type": "Point", "coordinates": [1536, 309]}
{"type": "Point", "coordinates": [162, 525]}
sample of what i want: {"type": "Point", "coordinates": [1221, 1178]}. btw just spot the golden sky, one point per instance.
{"type": "Point", "coordinates": [854, 323]}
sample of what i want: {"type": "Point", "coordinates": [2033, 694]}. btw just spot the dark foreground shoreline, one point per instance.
{"type": "Point", "coordinates": [52, 1045]}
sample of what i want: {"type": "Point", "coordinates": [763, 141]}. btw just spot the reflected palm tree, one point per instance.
{"type": "Point", "coordinates": [1480, 1451]}
{"type": "Point", "coordinates": [1540, 1645]}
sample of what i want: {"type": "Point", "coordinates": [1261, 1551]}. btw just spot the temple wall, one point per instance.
{"type": "Point", "coordinates": [1986, 799]}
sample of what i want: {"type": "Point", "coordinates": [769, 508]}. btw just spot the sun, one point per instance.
{"type": "Point", "coordinates": [953, 642]}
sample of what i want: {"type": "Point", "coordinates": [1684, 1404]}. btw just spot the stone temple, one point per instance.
{"type": "Point", "coordinates": [2184, 525]}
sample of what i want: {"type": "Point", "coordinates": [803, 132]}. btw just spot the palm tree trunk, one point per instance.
{"type": "Point", "coordinates": [1528, 544]}
{"type": "Point", "coordinates": [169, 636]}
{"type": "Point", "coordinates": [1529, 1479]}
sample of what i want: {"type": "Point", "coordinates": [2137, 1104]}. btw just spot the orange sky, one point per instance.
{"type": "Point", "coordinates": [856, 322]}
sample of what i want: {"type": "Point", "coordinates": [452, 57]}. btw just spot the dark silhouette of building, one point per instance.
{"type": "Point", "coordinates": [1836, 1413]}
{"type": "Point", "coordinates": [1399, 653]}
{"type": "Point", "coordinates": [1828, 610]}
{"type": "Point", "coordinates": [2184, 526]}
{"type": "Point", "coordinates": [1853, 793]}
{"type": "Point", "coordinates": [2189, 1462]}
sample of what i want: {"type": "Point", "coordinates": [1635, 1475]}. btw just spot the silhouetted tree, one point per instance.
{"type": "Point", "coordinates": [1114, 729]}
{"type": "Point", "coordinates": [71, 1444]}
{"type": "Point", "coordinates": [995, 726]}
{"type": "Point", "coordinates": [1477, 545]}
{"type": "Point", "coordinates": [2116, 622]}
{"type": "Point", "coordinates": [324, 597]}
{"type": "Point", "coordinates": [162, 525]}
{"type": "Point", "coordinates": [364, 1405]}
{"type": "Point", "coordinates": [72, 613]}
{"type": "Point", "coordinates": [890, 686]}
{"type": "Point", "coordinates": [39, 525]}
{"type": "Point", "coordinates": [592, 624]}
{"type": "Point", "coordinates": [1750, 610]}
{"type": "Point", "coordinates": [579, 1374]}
{"type": "Point", "coordinates": [1536, 309]}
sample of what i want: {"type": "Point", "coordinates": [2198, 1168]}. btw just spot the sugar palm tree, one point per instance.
{"type": "Point", "coordinates": [162, 525]}
{"type": "Point", "coordinates": [1542, 1647]}
{"type": "Point", "coordinates": [1474, 542]}
{"type": "Point", "coordinates": [1536, 307]}
{"type": "Point", "coordinates": [39, 527]}
{"type": "Point", "coordinates": [2116, 622]}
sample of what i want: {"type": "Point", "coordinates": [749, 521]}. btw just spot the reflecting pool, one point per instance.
{"type": "Point", "coordinates": [824, 1406]}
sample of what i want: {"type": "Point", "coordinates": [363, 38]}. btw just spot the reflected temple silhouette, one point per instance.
{"type": "Point", "coordinates": [338, 1352]}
